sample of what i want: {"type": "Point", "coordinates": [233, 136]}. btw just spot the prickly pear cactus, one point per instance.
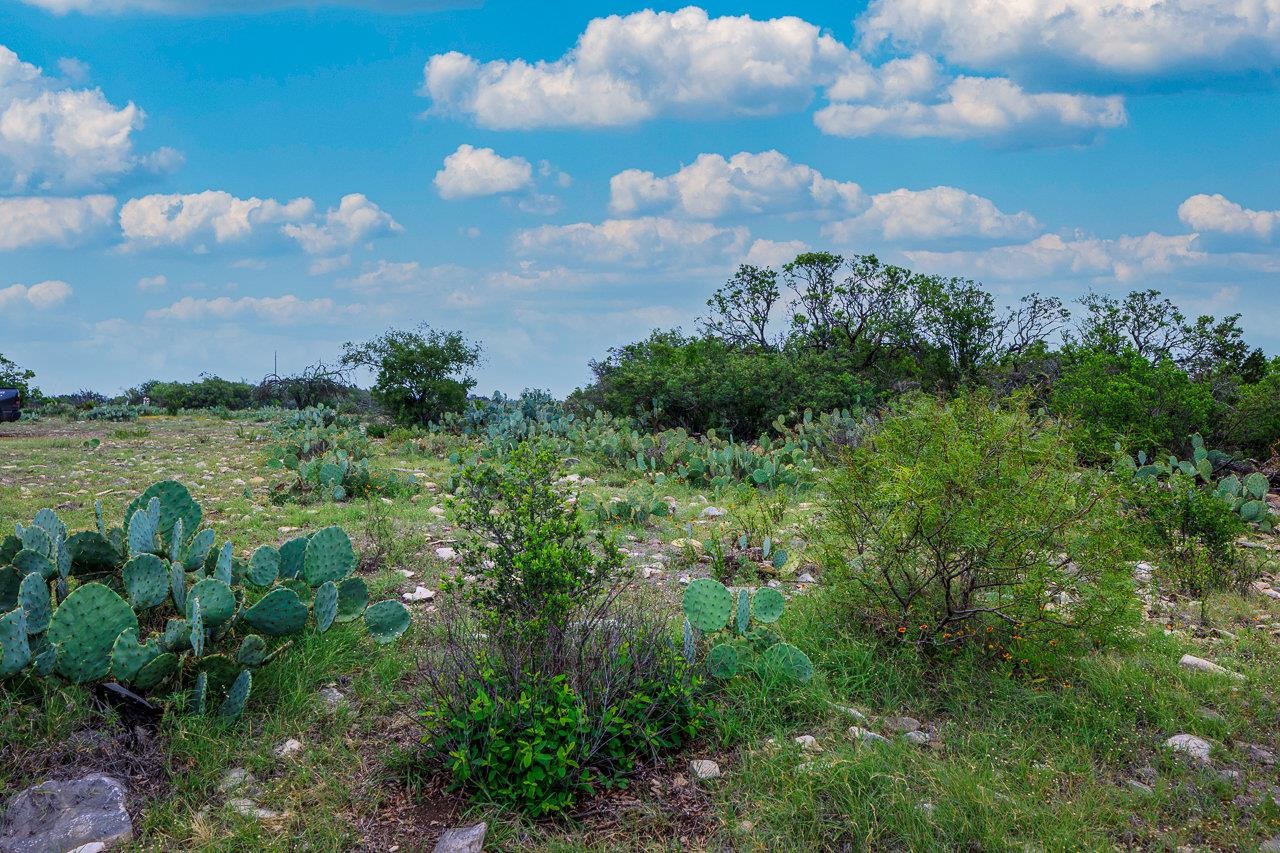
{"type": "Point", "coordinates": [217, 602]}
{"type": "Point", "coordinates": [329, 556]}
{"type": "Point", "coordinates": [767, 605]}
{"type": "Point", "coordinates": [174, 503]}
{"type": "Point", "coordinates": [707, 604]}
{"type": "Point", "coordinates": [84, 629]}
{"type": "Point", "coordinates": [353, 598]}
{"type": "Point", "coordinates": [387, 620]}
{"type": "Point", "coordinates": [786, 659]}
{"type": "Point", "coordinates": [279, 612]}
{"type": "Point", "coordinates": [146, 581]}
{"type": "Point", "coordinates": [237, 697]}
{"type": "Point", "coordinates": [325, 606]}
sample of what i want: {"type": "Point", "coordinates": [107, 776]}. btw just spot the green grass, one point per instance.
{"type": "Point", "coordinates": [1021, 762]}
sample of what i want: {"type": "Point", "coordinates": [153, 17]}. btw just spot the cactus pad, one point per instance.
{"type": "Point", "coordinates": [37, 539]}
{"type": "Point", "coordinates": [157, 671]}
{"type": "Point", "coordinates": [767, 604]}
{"type": "Point", "coordinates": [744, 611]}
{"type": "Point", "coordinates": [175, 502]}
{"type": "Point", "coordinates": [722, 661]}
{"type": "Point", "coordinates": [9, 546]}
{"type": "Point", "coordinates": [786, 659]}
{"type": "Point", "coordinates": [253, 651]}
{"type": "Point", "coordinates": [91, 553]}
{"type": "Point", "coordinates": [197, 628]}
{"type": "Point", "coordinates": [279, 612]}
{"type": "Point", "coordinates": [329, 557]}
{"type": "Point", "coordinates": [707, 604]}
{"type": "Point", "coordinates": [200, 693]}
{"type": "Point", "coordinates": [15, 650]}
{"type": "Point", "coordinates": [146, 581]}
{"type": "Point", "coordinates": [1256, 485]}
{"type": "Point", "coordinates": [217, 602]}
{"type": "Point", "coordinates": [34, 595]}
{"type": "Point", "coordinates": [387, 620]}
{"type": "Point", "coordinates": [224, 564]}
{"type": "Point", "coordinates": [198, 550]}
{"type": "Point", "coordinates": [44, 655]}
{"type": "Point", "coordinates": [233, 706]}
{"type": "Point", "coordinates": [264, 566]}
{"type": "Point", "coordinates": [176, 636]}
{"type": "Point", "coordinates": [48, 521]}
{"type": "Point", "coordinates": [85, 627]}
{"type": "Point", "coordinates": [178, 586]}
{"type": "Point", "coordinates": [325, 605]}
{"type": "Point", "coordinates": [142, 533]}
{"type": "Point", "coordinates": [128, 656]}
{"type": "Point", "coordinates": [29, 562]}
{"type": "Point", "coordinates": [219, 670]}
{"type": "Point", "coordinates": [292, 554]}
{"type": "Point", "coordinates": [353, 598]}
{"type": "Point", "coordinates": [10, 584]}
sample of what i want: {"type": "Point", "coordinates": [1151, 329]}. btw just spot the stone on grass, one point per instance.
{"type": "Point", "coordinates": [235, 779]}
{"type": "Point", "coordinates": [1202, 665]}
{"type": "Point", "coordinates": [901, 725]}
{"type": "Point", "coordinates": [248, 808]}
{"type": "Point", "coordinates": [805, 578]}
{"type": "Point", "coordinates": [1191, 746]}
{"type": "Point", "coordinates": [808, 743]}
{"type": "Point", "coordinates": [704, 769]}
{"type": "Point", "coordinates": [1138, 787]}
{"type": "Point", "coordinates": [1271, 845]}
{"type": "Point", "coordinates": [446, 553]}
{"type": "Point", "coordinates": [419, 594]}
{"type": "Point", "coordinates": [289, 748]}
{"type": "Point", "coordinates": [919, 738]}
{"type": "Point", "coordinates": [713, 512]}
{"type": "Point", "coordinates": [851, 711]}
{"type": "Point", "coordinates": [858, 733]}
{"type": "Point", "coordinates": [332, 698]}
{"type": "Point", "coordinates": [463, 839]}
{"type": "Point", "coordinates": [66, 814]}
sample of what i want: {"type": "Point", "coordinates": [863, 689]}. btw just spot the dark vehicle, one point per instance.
{"type": "Point", "coordinates": [10, 404]}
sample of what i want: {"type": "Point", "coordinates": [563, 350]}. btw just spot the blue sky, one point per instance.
{"type": "Point", "coordinates": [187, 187]}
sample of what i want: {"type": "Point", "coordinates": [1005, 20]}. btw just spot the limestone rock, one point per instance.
{"type": "Point", "coordinates": [60, 815]}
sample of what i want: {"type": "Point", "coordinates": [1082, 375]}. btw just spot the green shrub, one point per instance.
{"type": "Point", "coordinates": [1191, 532]}
{"type": "Point", "coordinates": [1254, 422]}
{"type": "Point", "coordinates": [967, 522]}
{"type": "Point", "coordinates": [554, 676]}
{"type": "Point", "coordinates": [1122, 397]}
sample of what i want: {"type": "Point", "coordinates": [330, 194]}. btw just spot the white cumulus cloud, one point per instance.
{"type": "Point", "coordinates": [53, 136]}
{"type": "Point", "coordinates": [470, 172]}
{"type": "Point", "coordinates": [178, 219]}
{"type": "Point", "coordinates": [33, 221]}
{"type": "Point", "coordinates": [41, 296]}
{"type": "Point", "coordinates": [1219, 214]}
{"type": "Point", "coordinates": [1101, 38]}
{"type": "Point", "coordinates": [745, 183]}
{"type": "Point", "coordinates": [353, 221]}
{"type": "Point", "coordinates": [1125, 258]}
{"type": "Point", "coordinates": [278, 310]}
{"type": "Point", "coordinates": [939, 213]}
{"type": "Point", "coordinates": [969, 108]}
{"type": "Point", "coordinates": [649, 242]}
{"type": "Point", "coordinates": [628, 68]}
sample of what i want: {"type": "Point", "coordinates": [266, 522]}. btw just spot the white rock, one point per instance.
{"type": "Point", "coordinates": [1138, 787]}
{"type": "Point", "coordinates": [1191, 746]}
{"type": "Point", "coordinates": [918, 738]}
{"type": "Point", "coordinates": [805, 578]}
{"type": "Point", "coordinates": [858, 733]}
{"type": "Point", "coordinates": [331, 697]}
{"type": "Point", "coordinates": [249, 808]}
{"type": "Point", "coordinates": [405, 573]}
{"type": "Point", "coordinates": [1202, 665]}
{"type": "Point", "coordinates": [289, 748]}
{"type": "Point", "coordinates": [234, 779]}
{"type": "Point", "coordinates": [713, 512]}
{"type": "Point", "coordinates": [1271, 845]}
{"type": "Point", "coordinates": [419, 594]}
{"type": "Point", "coordinates": [808, 743]}
{"type": "Point", "coordinates": [462, 839]}
{"type": "Point", "coordinates": [852, 712]}
{"type": "Point", "coordinates": [703, 769]}
{"type": "Point", "coordinates": [651, 572]}
{"type": "Point", "coordinates": [446, 553]}
{"type": "Point", "coordinates": [902, 725]}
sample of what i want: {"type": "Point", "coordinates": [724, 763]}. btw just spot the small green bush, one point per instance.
{"type": "Point", "coordinates": [555, 677]}
{"type": "Point", "coordinates": [1123, 397]}
{"type": "Point", "coordinates": [968, 522]}
{"type": "Point", "coordinates": [1254, 423]}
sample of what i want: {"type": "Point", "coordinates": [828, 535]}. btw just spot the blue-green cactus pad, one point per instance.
{"type": "Point", "coordinates": [329, 557]}
{"type": "Point", "coordinates": [146, 581]}
{"type": "Point", "coordinates": [85, 627]}
{"type": "Point", "coordinates": [279, 612]}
